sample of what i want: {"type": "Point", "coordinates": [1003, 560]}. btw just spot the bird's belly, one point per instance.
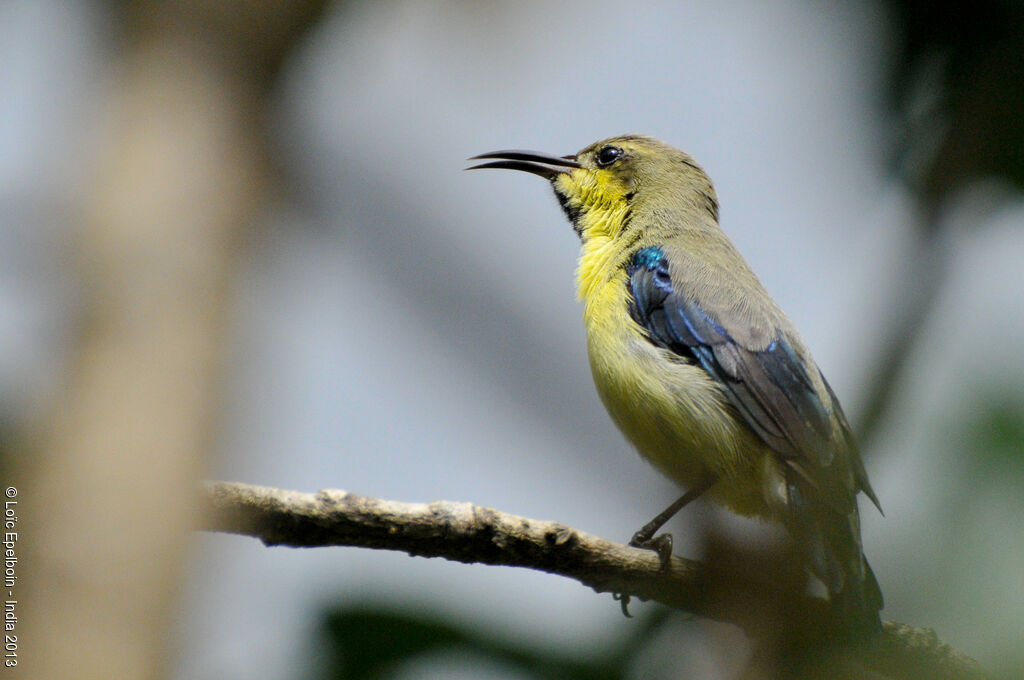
{"type": "Point", "coordinates": [672, 411]}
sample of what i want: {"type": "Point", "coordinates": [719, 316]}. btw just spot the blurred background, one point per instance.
{"type": "Point", "coordinates": [236, 242]}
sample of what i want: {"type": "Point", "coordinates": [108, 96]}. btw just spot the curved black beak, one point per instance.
{"type": "Point", "coordinates": [545, 165]}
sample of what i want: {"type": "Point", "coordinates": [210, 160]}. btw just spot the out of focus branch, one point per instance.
{"type": "Point", "coordinates": [469, 533]}
{"type": "Point", "coordinates": [177, 168]}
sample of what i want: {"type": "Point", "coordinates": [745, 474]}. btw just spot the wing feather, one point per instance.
{"type": "Point", "coordinates": [770, 388]}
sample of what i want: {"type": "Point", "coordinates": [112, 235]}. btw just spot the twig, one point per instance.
{"type": "Point", "coordinates": [469, 533]}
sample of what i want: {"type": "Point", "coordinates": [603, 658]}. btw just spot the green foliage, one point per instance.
{"type": "Point", "coordinates": [368, 643]}
{"type": "Point", "coordinates": [998, 431]}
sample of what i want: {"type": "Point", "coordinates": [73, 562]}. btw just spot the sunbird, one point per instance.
{"type": "Point", "coordinates": [699, 367]}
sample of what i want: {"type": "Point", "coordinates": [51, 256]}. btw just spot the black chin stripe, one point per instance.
{"type": "Point", "coordinates": [574, 213]}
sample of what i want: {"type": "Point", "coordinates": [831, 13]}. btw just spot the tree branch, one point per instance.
{"type": "Point", "coordinates": [468, 533]}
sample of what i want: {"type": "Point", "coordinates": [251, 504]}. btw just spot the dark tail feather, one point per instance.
{"type": "Point", "coordinates": [832, 544]}
{"type": "Point", "coordinates": [858, 605]}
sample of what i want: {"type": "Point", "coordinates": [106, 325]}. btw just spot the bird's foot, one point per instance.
{"type": "Point", "coordinates": [660, 544]}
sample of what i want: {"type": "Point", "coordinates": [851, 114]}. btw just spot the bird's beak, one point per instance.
{"type": "Point", "coordinates": [545, 165]}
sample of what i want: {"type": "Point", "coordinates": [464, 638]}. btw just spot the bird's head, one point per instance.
{"type": "Point", "coordinates": [601, 185]}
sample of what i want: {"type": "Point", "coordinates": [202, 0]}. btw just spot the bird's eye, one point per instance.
{"type": "Point", "coordinates": [608, 155]}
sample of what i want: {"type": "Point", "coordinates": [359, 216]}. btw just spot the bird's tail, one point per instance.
{"type": "Point", "coordinates": [832, 542]}
{"type": "Point", "coordinates": [858, 604]}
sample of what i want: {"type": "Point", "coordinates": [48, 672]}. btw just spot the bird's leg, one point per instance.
{"type": "Point", "coordinates": [645, 538]}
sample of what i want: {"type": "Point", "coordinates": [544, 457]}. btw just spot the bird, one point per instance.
{"type": "Point", "coordinates": [699, 367]}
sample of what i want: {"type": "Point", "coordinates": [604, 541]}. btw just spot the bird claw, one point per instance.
{"type": "Point", "coordinates": [660, 544]}
{"type": "Point", "coordinates": [623, 599]}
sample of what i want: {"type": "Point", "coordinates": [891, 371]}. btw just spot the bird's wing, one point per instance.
{"type": "Point", "coordinates": [769, 385]}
